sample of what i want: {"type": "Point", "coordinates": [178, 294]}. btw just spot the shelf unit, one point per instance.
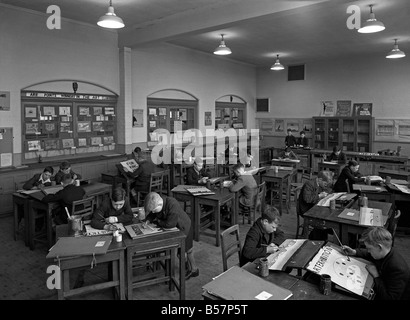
{"type": "Point", "coordinates": [352, 133]}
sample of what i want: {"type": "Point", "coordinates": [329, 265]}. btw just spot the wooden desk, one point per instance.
{"type": "Point", "coordinates": [331, 166]}
{"type": "Point", "coordinates": [286, 163]}
{"type": "Point", "coordinates": [324, 217]}
{"type": "Point", "coordinates": [395, 174]}
{"type": "Point", "coordinates": [96, 189]}
{"type": "Point", "coordinates": [217, 200]}
{"type": "Point", "coordinates": [21, 201]}
{"type": "Point", "coordinates": [157, 243]}
{"type": "Point", "coordinates": [279, 177]}
{"type": "Point", "coordinates": [114, 255]}
{"type": "Point", "coordinates": [301, 289]}
{"type": "Point", "coordinates": [377, 193]}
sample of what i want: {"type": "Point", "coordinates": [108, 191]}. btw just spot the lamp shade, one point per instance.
{"type": "Point", "coordinates": [371, 25]}
{"type": "Point", "coordinates": [277, 65]}
{"type": "Point", "coordinates": [222, 49]}
{"type": "Point", "coordinates": [396, 52]}
{"type": "Point", "coordinates": [110, 20]}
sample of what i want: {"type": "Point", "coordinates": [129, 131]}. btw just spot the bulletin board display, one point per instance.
{"type": "Point", "coordinates": [54, 128]}
{"type": "Point", "coordinates": [278, 127]}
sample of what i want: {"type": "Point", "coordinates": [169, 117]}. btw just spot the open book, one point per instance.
{"type": "Point", "coordinates": [371, 217]}
{"type": "Point", "coordinates": [199, 191]}
{"type": "Point", "coordinates": [90, 231]}
{"type": "Point", "coordinates": [129, 165]}
{"type": "Point", "coordinates": [138, 230]}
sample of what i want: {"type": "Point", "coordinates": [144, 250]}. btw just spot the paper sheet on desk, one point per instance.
{"type": "Point", "coordinates": [278, 259]}
{"type": "Point", "coordinates": [325, 202]}
{"type": "Point", "coordinates": [402, 188]}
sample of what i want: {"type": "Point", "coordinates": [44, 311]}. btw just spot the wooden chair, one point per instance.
{"type": "Point", "coordinates": [230, 244]}
{"type": "Point", "coordinates": [392, 227]}
{"type": "Point", "coordinates": [258, 205]}
{"type": "Point", "coordinates": [84, 208]}
{"type": "Point", "coordinates": [299, 223]}
{"type": "Point", "coordinates": [156, 185]}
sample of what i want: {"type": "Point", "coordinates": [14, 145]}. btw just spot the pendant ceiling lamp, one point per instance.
{"type": "Point", "coordinates": [396, 52]}
{"type": "Point", "coordinates": [372, 25]}
{"type": "Point", "coordinates": [222, 49]}
{"type": "Point", "coordinates": [110, 19]}
{"type": "Point", "coordinates": [277, 65]}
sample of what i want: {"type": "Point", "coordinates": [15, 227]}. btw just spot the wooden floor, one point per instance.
{"type": "Point", "coordinates": [23, 272]}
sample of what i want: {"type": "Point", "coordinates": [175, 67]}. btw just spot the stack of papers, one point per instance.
{"type": "Point", "coordinates": [90, 231]}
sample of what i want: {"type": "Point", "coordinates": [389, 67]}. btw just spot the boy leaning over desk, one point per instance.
{"type": "Point", "coordinates": [390, 271]}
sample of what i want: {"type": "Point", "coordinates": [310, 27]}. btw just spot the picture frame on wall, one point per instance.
{"type": "Point", "coordinates": [4, 100]}
{"type": "Point", "coordinates": [208, 118]}
{"type": "Point", "coordinates": [34, 145]}
{"type": "Point", "coordinates": [51, 144]}
{"type": "Point", "coordinates": [138, 117]}
{"type": "Point", "coordinates": [67, 143]}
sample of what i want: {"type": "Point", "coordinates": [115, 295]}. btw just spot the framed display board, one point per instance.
{"type": "Point", "coordinates": [56, 123]}
{"type": "Point", "coordinates": [278, 127]}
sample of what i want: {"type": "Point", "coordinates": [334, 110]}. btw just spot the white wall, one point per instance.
{"type": "Point", "coordinates": [383, 82]}
{"type": "Point", "coordinates": [206, 77]}
{"type": "Point", "coordinates": [31, 53]}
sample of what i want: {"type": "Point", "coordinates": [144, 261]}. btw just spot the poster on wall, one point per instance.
{"type": "Point", "coordinates": [49, 111]}
{"type": "Point", "coordinates": [344, 108]}
{"type": "Point", "coordinates": [138, 117]}
{"type": "Point", "coordinates": [307, 125]}
{"type": "Point", "coordinates": [33, 145]}
{"type": "Point", "coordinates": [51, 144]}
{"type": "Point", "coordinates": [327, 108]}
{"type": "Point", "coordinates": [31, 112]}
{"type": "Point", "coordinates": [292, 125]}
{"type": "Point", "coordinates": [208, 118]}
{"type": "Point", "coordinates": [4, 101]}
{"type": "Point", "coordinates": [363, 109]}
{"type": "Point", "coordinates": [279, 125]}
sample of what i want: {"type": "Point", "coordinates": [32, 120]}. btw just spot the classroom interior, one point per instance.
{"type": "Point", "coordinates": [163, 60]}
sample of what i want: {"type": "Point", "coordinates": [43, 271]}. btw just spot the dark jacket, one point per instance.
{"type": "Point", "coordinates": [255, 238]}
{"type": "Point", "coordinates": [142, 176]}
{"type": "Point", "coordinates": [309, 196]}
{"type": "Point", "coordinates": [303, 141]}
{"type": "Point", "coordinates": [106, 210]}
{"type": "Point", "coordinates": [290, 141]}
{"type": "Point", "coordinates": [341, 158]}
{"type": "Point", "coordinates": [394, 280]}
{"type": "Point", "coordinates": [247, 188]}
{"type": "Point", "coordinates": [65, 197]}
{"type": "Point", "coordinates": [340, 185]}
{"type": "Point", "coordinates": [192, 176]}
{"type": "Point", "coordinates": [60, 174]}
{"type": "Point", "coordinates": [34, 182]}
{"type": "Point", "coordinates": [171, 216]}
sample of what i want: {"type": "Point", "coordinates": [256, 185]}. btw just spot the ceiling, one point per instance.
{"type": "Point", "coordinates": [300, 31]}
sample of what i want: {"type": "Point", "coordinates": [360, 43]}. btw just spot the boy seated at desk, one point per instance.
{"type": "Point", "coordinates": [65, 168]}
{"type": "Point", "coordinates": [166, 212]}
{"type": "Point", "coordinates": [40, 179]}
{"type": "Point", "coordinates": [303, 141]}
{"type": "Point", "coordinates": [312, 191]}
{"type": "Point", "coordinates": [290, 140]}
{"type": "Point", "coordinates": [65, 197]}
{"type": "Point", "coordinates": [116, 209]}
{"type": "Point", "coordinates": [390, 271]}
{"type": "Point", "coordinates": [337, 155]}
{"type": "Point", "coordinates": [288, 154]}
{"type": "Point", "coordinates": [264, 237]}
{"type": "Point", "coordinates": [352, 174]}
{"type": "Point", "coordinates": [245, 185]}
{"type": "Point", "coordinates": [196, 174]}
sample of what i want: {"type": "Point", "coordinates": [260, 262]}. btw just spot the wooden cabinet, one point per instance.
{"type": "Point", "coordinates": [351, 133]}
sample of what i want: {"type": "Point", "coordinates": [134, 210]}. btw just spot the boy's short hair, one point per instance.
{"type": "Point", "coordinates": [302, 132]}
{"type": "Point", "coordinates": [325, 175]}
{"type": "Point", "coordinates": [353, 163]}
{"type": "Point", "coordinates": [337, 148]}
{"type": "Point", "coordinates": [49, 169]}
{"type": "Point", "coordinates": [271, 214]}
{"type": "Point", "coordinates": [118, 194]}
{"type": "Point", "coordinates": [377, 235]}
{"type": "Point", "coordinates": [137, 150]}
{"type": "Point", "coordinates": [65, 165]}
{"type": "Point", "coordinates": [151, 201]}
{"type": "Point", "coordinates": [67, 178]}
{"type": "Point", "coordinates": [289, 130]}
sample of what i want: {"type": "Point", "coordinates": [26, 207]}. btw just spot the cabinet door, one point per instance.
{"type": "Point", "coordinates": [320, 131]}
{"type": "Point", "coordinates": [363, 135]}
{"type": "Point", "coordinates": [332, 133]}
{"type": "Point", "coordinates": [348, 135]}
